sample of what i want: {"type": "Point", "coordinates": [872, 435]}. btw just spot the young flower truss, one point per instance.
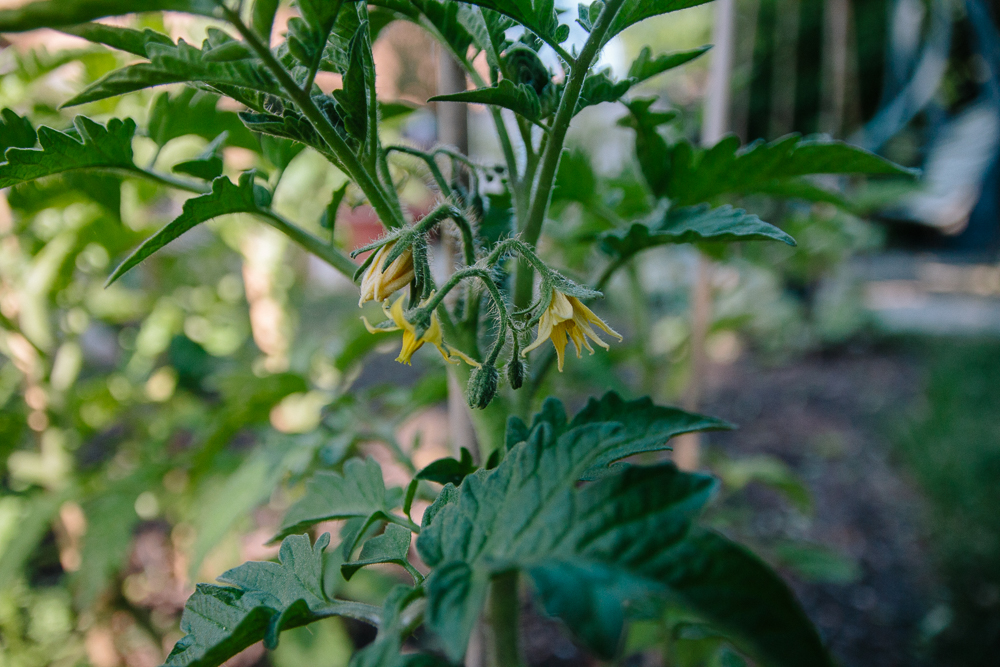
{"type": "Point", "coordinates": [566, 318]}
{"type": "Point", "coordinates": [411, 340]}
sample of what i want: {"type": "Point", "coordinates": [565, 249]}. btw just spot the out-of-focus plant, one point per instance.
{"type": "Point", "coordinates": [602, 542]}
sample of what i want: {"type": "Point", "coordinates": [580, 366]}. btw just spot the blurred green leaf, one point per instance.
{"type": "Point", "coordinates": [693, 224]}
{"type": "Point", "coordinates": [645, 66]}
{"type": "Point", "coordinates": [124, 39]}
{"type": "Point", "coordinates": [57, 13]}
{"type": "Point", "coordinates": [15, 131]}
{"type": "Point", "coordinates": [449, 470]}
{"type": "Point", "coordinates": [208, 165]}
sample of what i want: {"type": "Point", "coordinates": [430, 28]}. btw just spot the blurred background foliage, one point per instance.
{"type": "Point", "coordinates": [153, 432]}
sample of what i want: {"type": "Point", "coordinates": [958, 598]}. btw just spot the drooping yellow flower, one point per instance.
{"type": "Point", "coordinates": [410, 341]}
{"type": "Point", "coordinates": [567, 319]}
{"type": "Point", "coordinates": [379, 285]}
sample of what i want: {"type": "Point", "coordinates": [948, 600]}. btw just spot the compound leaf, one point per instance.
{"type": "Point", "coordinates": [262, 600]}
{"type": "Point", "coordinates": [697, 175]}
{"type": "Point", "coordinates": [57, 13]}
{"type": "Point", "coordinates": [225, 197]}
{"type": "Point", "coordinates": [693, 224]}
{"type": "Point", "coordinates": [359, 493]}
{"type": "Point", "coordinates": [352, 98]}
{"type": "Point", "coordinates": [593, 549]}
{"type": "Point", "coordinates": [519, 98]}
{"type": "Point", "coordinates": [89, 145]}
{"type": "Point", "coordinates": [178, 64]}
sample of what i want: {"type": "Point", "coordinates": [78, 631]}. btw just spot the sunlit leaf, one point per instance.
{"type": "Point", "coordinates": [124, 39]}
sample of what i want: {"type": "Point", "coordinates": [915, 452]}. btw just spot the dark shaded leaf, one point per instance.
{"type": "Point", "coordinates": [449, 470]}
{"type": "Point", "coordinates": [538, 16]}
{"type": "Point", "coordinates": [308, 34]}
{"type": "Point", "coordinates": [58, 13]}
{"type": "Point", "coordinates": [15, 132]}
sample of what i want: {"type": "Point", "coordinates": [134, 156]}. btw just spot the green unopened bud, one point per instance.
{"type": "Point", "coordinates": [516, 370]}
{"type": "Point", "coordinates": [483, 386]}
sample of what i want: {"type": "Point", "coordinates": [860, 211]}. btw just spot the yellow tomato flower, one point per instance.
{"type": "Point", "coordinates": [379, 285]}
{"type": "Point", "coordinates": [410, 341]}
{"type": "Point", "coordinates": [567, 318]}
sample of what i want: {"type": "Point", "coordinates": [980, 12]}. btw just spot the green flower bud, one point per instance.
{"type": "Point", "coordinates": [483, 385]}
{"type": "Point", "coordinates": [517, 369]}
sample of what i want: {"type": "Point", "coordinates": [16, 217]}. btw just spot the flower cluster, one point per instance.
{"type": "Point", "coordinates": [561, 315]}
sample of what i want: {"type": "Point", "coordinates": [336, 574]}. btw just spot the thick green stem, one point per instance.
{"type": "Point", "coordinates": [532, 227]}
{"type": "Point", "coordinates": [505, 608]}
{"type": "Point", "coordinates": [364, 180]}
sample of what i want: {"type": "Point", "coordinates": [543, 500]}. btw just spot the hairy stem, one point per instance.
{"type": "Point", "coordinates": [532, 227]}
{"type": "Point", "coordinates": [364, 180]}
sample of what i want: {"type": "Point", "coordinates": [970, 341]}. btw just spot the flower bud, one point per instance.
{"type": "Point", "coordinates": [517, 369]}
{"type": "Point", "coordinates": [483, 385]}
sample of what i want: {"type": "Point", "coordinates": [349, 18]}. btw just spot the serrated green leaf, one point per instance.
{"type": "Point", "coordinates": [521, 512]}
{"type": "Point", "coordinates": [593, 549]}
{"type": "Point", "coordinates": [178, 64]}
{"type": "Point", "coordinates": [123, 39]}
{"type": "Point", "coordinates": [15, 132]}
{"type": "Point", "coordinates": [519, 98]}
{"type": "Point", "coordinates": [489, 31]}
{"type": "Point", "coordinates": [448, 22]}
{"type": "Point", "coordinates": [698, 175]}
{"type": "Point", "coordinates": [58, 13]}
{"type": "Point", "coordinates": [694, 224]}
{"type": "Point", "coordinates": [449, 470]}
{"type": "Point", "coordinates": [646, 66]}
{"type": "Point", "coordinates": [359, 492]}
{"type": "Point", "coordinates": [392, 546]}
{"type": "Point", "coordinates": [91, 146]}
{"type": "Point", "coordinates": [262, 600]}
{"type": "Point", "coordinates": [225, 197]}
{"type": "Point", "coordinates": [208, 165]}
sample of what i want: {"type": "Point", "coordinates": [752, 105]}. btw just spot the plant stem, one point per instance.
{"type": "Point", "coordinates": [314, 245]}
{"type": "Point", "coordinates": [505, 608]}
{"type": "Point", "coordinates": [170, 181]}
{"type": "Point", "coordinates": [321, 123]}
{"type": "Point", "coordinates": [532, 227]}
